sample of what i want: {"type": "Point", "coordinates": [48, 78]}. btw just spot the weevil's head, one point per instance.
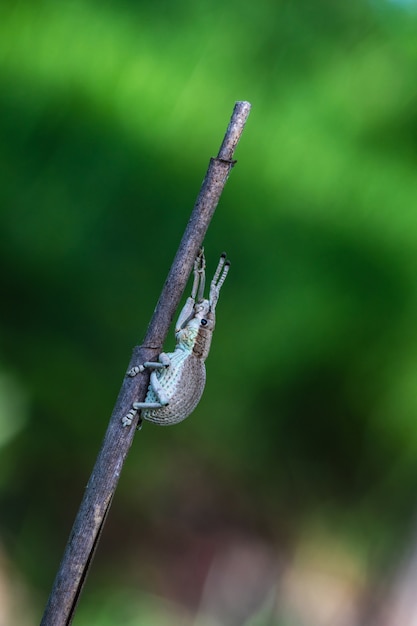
{"type": "Point", "coordinates": [196, 332]}
{"type": "Point", "coordinates": [198, 317]}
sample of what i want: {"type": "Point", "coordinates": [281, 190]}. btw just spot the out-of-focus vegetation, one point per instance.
{"type": "Point", "coordinates": [290, 493]}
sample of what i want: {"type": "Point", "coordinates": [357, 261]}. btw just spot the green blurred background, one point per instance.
{"type": "Point", "coordinates": [289, 496]}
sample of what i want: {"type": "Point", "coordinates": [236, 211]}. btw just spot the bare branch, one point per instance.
{"type": "Point", "coordinates": [117, 441]}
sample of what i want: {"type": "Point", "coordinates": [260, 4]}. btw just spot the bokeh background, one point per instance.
{"type": "Point", "coordinates": [289, 497]}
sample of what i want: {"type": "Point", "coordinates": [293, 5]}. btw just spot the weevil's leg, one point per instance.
{"type": "Point", "coordinates": [187, 311]}
{"type": "Point", "coordinates": [186, 314]}
{"type": "Point", "coordinates": [147, 405]}
{"type": "Point", "coordinates": [164, 361]}
{"type": "Point", "coordinates": [135, 370]}
{"type": "Point", "coordinates": [200, 271]}
{"type": "Point", "coordinates": [128, 419]}
{"type": "Point", "coordinates": [162, 399]}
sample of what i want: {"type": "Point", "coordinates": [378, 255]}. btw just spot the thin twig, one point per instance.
{"type": "Point", "coordinates": [100, 489]}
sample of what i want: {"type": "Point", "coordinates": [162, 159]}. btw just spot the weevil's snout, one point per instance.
{"type": "Point", "coordinates": [204, 317]}
{"type": "Point", "coordinates": [192, 313]}
{"type": "Point", "coordinates": [203, 325]}
{"type": "Point", "coordinates": [186, 334]}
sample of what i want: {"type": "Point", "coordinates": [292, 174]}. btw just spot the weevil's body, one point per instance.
{"type": "Point", "coordinates": [178, 378]}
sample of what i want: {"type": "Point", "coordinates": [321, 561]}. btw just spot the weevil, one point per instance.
{"type": "Point", "coordinates": [178, 378]}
